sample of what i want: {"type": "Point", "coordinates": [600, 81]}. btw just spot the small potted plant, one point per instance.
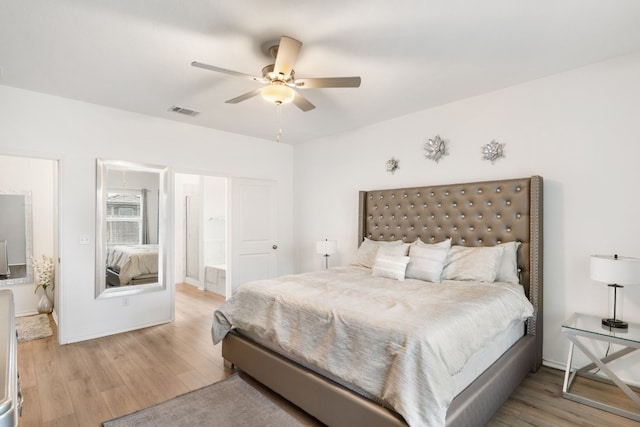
{"type": "Point", "coordinates": [43, 268]}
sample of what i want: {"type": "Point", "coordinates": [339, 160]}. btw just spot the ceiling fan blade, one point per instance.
{"type": "Point", "coordinates": [244, 97]}
{"type": "Point", "coordinates": [225, 71]}
{"type": "Point", "coordinates": [322, 82]}
{"type": "Point", "coordinates": [288, 50]}
{"type": "Point", "coordinates": [302, 103]}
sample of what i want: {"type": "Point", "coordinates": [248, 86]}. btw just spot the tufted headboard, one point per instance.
{"type": "Point", "coordinates": [471, 214]}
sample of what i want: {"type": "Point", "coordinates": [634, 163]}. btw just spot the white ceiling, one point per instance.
{"type": "Point", "coordinates": [411, 55]}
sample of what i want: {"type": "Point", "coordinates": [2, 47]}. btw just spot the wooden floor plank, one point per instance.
{"type": "Point", "coordinates": [100, 368]}
{"type": "Point", "coordinates": [538, 401]}
{"type": "Point", "coordinates": [119, 401]}
{"type": "Point", "coordinates": [94, 409]}
{"type": "Point", "coordinates": [85, 383]}
{"type": "Point", "coordinates": [55, 401]}
{"type": "Point", "coordinates": [63, 421]}
{"type": "Point", "coordinates": [31, 413]}
{"type": "Point", "coordinates": [145, 391]}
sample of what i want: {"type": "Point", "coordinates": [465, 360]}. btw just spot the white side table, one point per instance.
{"type": "Point", "coordinates": [587, 327]}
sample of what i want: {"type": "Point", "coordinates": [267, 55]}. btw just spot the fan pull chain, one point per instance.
{"type": "Point", "coordinates": [279, 121]}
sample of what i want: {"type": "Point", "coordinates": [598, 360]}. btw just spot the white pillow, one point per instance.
{"type": "Point", "coordinates": [444, 244]}
{"type": "Point", "coordinates": [389, 266]}
{"type": "Point", "coordinates": [367, 251]}
{"type": "Point", "coordinates": [478, 264]}
{"type": "Point", "coordinates": [426, 262]}
{"type": "Point", "coordinates": [394, 250]}
{"type": "Point", "coordinates": [508, 270]}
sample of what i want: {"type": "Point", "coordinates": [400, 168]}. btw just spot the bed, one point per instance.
{"type": "Point", "coordinates": [132, 265]}
{"type": "Point", "coordinates": [472, 215]}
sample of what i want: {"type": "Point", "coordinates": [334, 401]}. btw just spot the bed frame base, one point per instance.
{"type": "Point", "coordinates": [338, 406]}
{"type": "Point", "coordinates": [324, 399]}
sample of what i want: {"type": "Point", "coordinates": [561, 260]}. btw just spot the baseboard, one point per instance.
{"type": "Point", "coordinates": [553, 364]}
{"type": "Point", "coordinates": [191, 281]}
{"type": "Point", "coordinates": [27, 313]}
{"type": "Point", "coordinates": [114, 332]}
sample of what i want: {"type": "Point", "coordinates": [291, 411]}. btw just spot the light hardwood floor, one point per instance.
{"type": "Point", "coordinates": [85, 383]}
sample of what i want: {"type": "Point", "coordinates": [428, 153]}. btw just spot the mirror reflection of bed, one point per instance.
{"type": "Point", "coordinates": [130, 226]}
{"type": "Point", "coordinates": [132, 243]}
{"type": "Point", "coordinates": [132, 265]}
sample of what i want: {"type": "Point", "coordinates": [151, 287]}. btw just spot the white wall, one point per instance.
{"type": "Point", "coordinates": [33, 124]}
{"type": "Point", "coordinates": [37, 176]}
{"type": "Point", "coordinates": [579, 130]}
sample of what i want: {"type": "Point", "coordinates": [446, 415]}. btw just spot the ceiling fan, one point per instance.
{"type": "Point", "coordinates": [279, 78]}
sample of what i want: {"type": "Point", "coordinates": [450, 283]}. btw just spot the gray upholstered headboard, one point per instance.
{"type": "Point", "coordinates": [471, 214]}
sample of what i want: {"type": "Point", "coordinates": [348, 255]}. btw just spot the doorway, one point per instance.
{"type": "Point", "coordinates": [201, 231]}
{"type": "Point", "coordinates": [35, 181]}
{"type": "Point", "coordinates": [226, 231]}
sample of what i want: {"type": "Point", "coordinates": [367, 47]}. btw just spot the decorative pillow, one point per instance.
{"type": "Point", "coordinates": [508, 270]}
{"type": "Point", "coordinates": [389, 266]}
{"type": "Point", "coordinates": [426, 262]}
{"type": "Point", "coordinates": [394, 250]}
{"type": "Point", "coordinates": [444, 244]}
{"type": "Point", "coordinates": [367, 251]}
{"type": "Point", "coordinates": [478, 264]}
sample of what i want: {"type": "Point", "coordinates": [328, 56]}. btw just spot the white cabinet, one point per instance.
{"type": "Point", "coordinates": [216, 278]}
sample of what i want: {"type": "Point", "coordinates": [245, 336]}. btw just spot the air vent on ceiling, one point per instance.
{"type": "Point", "coordinates": [184, 111]}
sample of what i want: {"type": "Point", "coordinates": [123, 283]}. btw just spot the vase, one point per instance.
{"type": "Point", "coordinates": [45, 305]}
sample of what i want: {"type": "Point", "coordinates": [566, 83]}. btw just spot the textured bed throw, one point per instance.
{"type": "Point", "coordinates": [399, 341]}
{"type": "Point", "coordinates": [230, 402]}
{"type": "Point", "coordinates": [33, 327]}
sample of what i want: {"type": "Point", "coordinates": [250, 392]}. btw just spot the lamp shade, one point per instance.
{"type": "Point", "coordinates": [615, 269]}
{"type": "Point", "coordinates": [326, 247]}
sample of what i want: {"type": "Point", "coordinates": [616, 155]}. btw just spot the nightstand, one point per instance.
{"type": "Point", "coordinates": [581, 328]}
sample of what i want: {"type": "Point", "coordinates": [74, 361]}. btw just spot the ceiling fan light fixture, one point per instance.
{"type": "Point", "coordinates": [277, 93]}
{"type": "Point", "coordinates": [279, 78]}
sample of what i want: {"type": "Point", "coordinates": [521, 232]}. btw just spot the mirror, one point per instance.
{"type": "Point", "coordinates": [131, 229]}
{"type": "Point", "coordinates": [15, 238]}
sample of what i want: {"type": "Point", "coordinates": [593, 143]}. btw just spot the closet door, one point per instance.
{"type": "Point", "coordinates": [254, 243]}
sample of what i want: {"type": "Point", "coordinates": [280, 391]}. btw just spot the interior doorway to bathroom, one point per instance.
{"type": "Point", "coordinates": [201, 231]}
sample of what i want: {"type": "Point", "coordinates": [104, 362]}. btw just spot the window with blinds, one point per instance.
{"type": "Point", "coordinates": [124, 217]}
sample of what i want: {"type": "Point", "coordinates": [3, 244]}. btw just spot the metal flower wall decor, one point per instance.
{"type": "Point", "coordinates": [435, 148]}
{"type": "Point", "coordinates": [493, 151]}
{"type": "Point", "coordinates": [392, 165]}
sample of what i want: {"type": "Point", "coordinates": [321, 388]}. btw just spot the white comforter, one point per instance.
{"type": "Point", "coordinates": [131, 261]}
{"type": "Point", "coordinates": [401, 341]}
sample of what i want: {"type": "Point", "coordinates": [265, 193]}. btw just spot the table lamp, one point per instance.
{"type": "Point", "coordinates": [326, 247]}
{"type": "Point", "coordinates": [616, 272]}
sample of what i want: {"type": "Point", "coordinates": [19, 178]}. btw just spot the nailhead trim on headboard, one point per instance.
{"type": "Point", "coordinates": [471, 214]}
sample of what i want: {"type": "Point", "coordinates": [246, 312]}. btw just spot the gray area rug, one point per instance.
{"type": "Point", "coordinates": [230, 402]}
{"type": "Point", "coordinates": [33, 327]}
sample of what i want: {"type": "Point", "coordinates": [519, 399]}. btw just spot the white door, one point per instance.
{"type": "Point", "coordinates": [253, 231]}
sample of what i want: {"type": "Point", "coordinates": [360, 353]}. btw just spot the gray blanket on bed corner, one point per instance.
{"type": "Point", "coordinates": [399, 340]}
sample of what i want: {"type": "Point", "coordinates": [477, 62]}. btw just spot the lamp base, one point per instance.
{"type": "Point", "coordinates": [615, 323]}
